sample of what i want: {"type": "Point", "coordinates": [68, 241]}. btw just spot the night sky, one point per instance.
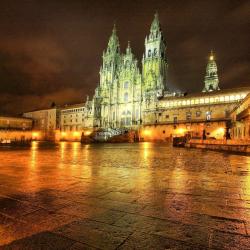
{"type": "Point", "coordinates": [51, 50]}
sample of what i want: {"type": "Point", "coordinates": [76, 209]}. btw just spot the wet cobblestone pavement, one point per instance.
{"type": "Point", "coordinates": [123, 196]}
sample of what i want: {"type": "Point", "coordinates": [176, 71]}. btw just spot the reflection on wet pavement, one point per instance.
{"type": "Point", "coordinates": [123, 196]}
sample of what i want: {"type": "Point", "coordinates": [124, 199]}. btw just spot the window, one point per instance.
{"type": "Point", "coordinates": [198, 113]}
{"type": "Point", "coordinates": [137, 114]}
{"type": "Point", "coordinates": [149, 53]}
{"type": "Point", "coordinates": [208, 115]}
{"type": "Point", "coordinates": [188, 116]}
{"type": "Point", "coordinates": [126, 85]}
{"type": "Point", "coordinates": [126, 97]}
{"type": "Point", "coordinates": [175, 119]}
{"type": "Point", "coordinates": [163, 131]}
{"type": "Point", "coordinates": [128, 121]}
{"type": "Point", "coordinates": [167, 116]}
{"type": "Point", "coordinates": [155, 52]}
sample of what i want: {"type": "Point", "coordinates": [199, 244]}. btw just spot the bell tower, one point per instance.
{"type": "Point", "coordinates": [154, 62]}
{"type": "Point", "coordinates": [211, 78]}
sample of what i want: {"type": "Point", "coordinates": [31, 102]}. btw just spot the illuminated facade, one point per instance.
{"type": "Point", "coordinates": [211, 78]}
{"type": "Point", "coordinates": [241, 119]}
{"type": "Point", "coordinates": [15, 123]}
{"type": "Point", "coordinates": [46, 121]}
{"type": "Point", "coordinates": [127, 98]}
{"type": "Point", "coordinates": [194, 114]}
{"type": "Point", "coordinates": [76, 117]}
{"type": "Point", "coordinates": [124, 92]}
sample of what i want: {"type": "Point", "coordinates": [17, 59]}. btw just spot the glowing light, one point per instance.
{"type": "Point", "coordinates": [76, 134]}
{"type": "Point", "coordinates": [64, 134]}
{"type": "Point", "coordinates": [211, 58]}
{"type": "Point", "coordinates": [220, 130]}
{"type": "Point", "coordinates": [35, 135]}
{"type": "Point", "coordinates": [87, 133]}
{"type": "Point", "coordinates": [181, 131]}
{"type": "Point", "coordinates": [146, 132]}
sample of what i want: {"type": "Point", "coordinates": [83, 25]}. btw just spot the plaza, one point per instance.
{"type": "Point", "coordinates": [123, 196]}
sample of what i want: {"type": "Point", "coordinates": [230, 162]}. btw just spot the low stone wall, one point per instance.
{"type": "Point", "coordinates": [242, 146]}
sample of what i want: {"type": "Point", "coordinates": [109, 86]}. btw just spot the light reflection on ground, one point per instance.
{"type": "Point", "coordinates": [147, 195]}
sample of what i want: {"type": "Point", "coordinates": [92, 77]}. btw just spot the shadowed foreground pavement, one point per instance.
{"type": "Point", "coordinates": [123, 196]}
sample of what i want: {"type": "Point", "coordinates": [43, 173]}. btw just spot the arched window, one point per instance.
{"type": "Point", "coordinates": [208, 115]}
{"type": "Point", "coordinates": [155, 52]}
{"type": "Point", "coordinates": [126, 97]}
{"type": "Point", "coordinates": [149, 53]}
{"type": "Point", "coordinates": [126, 85]}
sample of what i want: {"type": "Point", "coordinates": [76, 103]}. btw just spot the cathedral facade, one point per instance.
{"type": "Point", "coordinates": [124, 92]}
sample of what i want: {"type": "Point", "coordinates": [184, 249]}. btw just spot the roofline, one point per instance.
{"type": "Point", "coordinates": [15, 117]}
{"type": "Point", "coordinates": [215, 92]}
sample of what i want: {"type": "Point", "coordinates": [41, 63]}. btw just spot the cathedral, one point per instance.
{"type": "Point", "coordinates": [124, 92]}
{"type": "Point", "coordinates": [130, 98]}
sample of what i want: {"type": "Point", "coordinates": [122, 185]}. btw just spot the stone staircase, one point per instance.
{"type": "Point", "coordinates": [106, 134]}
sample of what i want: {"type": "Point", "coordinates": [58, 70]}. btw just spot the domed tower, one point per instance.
{"type": "Point", "coordinates": [211, 78]}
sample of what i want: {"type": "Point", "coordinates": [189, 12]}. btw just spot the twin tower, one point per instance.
{"type": "Point", "coordinates": [125, 94]}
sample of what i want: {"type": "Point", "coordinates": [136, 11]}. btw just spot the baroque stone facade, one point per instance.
{"type": "Point", "coordinates": [124, 92]}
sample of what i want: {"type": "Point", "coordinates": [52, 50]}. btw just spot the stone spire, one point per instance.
{"type": "Point", "coordinates": [113, 44]}
{"type": "Point", "coordinates": [211, 78]}
{"type": "Point", "coordinates": [155, 26]}
{"type": "Point", "coordinates": [128, 50]}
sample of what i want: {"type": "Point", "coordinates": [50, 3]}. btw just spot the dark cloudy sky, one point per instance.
{"type": "Point", "coordinates": [51, 50]}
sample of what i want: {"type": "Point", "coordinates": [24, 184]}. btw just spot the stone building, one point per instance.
{"type": "Point", "coordinates": [72, 117]}
{"type": "Point", "coordinates": [15, 123]}
{"type": "Point", "coordinates": [15, 128]}
{"type": "Point", "coordinates": [46, 122]}
{"type": "Point", "coordinates": [193, 114]}
{"type": "Point", "coordinates": [241, 119]}
{"type": "Point", "coordinates": [75, 120]}
{"type": "Point", "coordinates": [123, 91]}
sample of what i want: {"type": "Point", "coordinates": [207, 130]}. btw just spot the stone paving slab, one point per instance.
{"type": "Point", "coordinates": [149, 241]}
{"type": "Point", "coordinates": [95, 234]}
{"type": "Point", "coordinates": [15, 208]}
{"type": "Point", "coordinates": [44, 240]}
